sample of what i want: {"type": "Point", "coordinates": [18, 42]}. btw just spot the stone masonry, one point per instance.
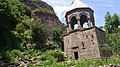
{"type": "Point", "coordinates": [85, 41]}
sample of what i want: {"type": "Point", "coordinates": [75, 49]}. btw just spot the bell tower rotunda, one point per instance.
{"type": "Point", "coordinates": [84, 39]}
{"type": "Point", "coordinates": [79, 16]}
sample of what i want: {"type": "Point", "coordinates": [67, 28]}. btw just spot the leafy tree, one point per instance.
{"type": "Point", "coordinates": [114, 42]}
{"type": "Point", "coordinates": [10, 16]}
{"type": "Point", "coordinates": [31, 32]}
{"type": "Point", "coordinates": [101, 27]}
{"type": "Point", "coordinates": [23, 33]}
{"type": "Point", "coordinates": [58, 37]}
{"type": "Point", "coordinates": [38, 33]}
{"type": "Point", "coordinates": [112, 23]}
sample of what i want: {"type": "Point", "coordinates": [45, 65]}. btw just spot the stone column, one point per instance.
{"type": "Point", "coordinates": [68, 25]}
{"type": "Point", "coordinates": [90, 24]}
{"type": "Point", "coordinates": [69, 28]}
{"type": "Point", "coordinates": [79, 24]}
{"type": "Point", "coordinates": [78, 21]}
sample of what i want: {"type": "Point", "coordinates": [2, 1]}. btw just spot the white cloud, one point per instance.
{"type": "Point", "coordinates": [60, 11]}
{"type": "Point", "coordinates": [96, 16]}
{"type": "Point", "coordinates": [101, 3]}
{"type": "Point", "coordinates": [61, 6]}
{"type": "Point", "coordinates": [104, 5]}
{"type": "Point", "coordinates": [57, 2]}
{"type": "Point", "coordinates": [106, 1]}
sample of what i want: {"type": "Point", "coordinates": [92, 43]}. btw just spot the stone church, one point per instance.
{"type": "Point", "coordinates": [84, 39]}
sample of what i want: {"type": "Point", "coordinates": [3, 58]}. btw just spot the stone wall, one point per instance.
{"type": "Point", "coordinates": [85, 42]}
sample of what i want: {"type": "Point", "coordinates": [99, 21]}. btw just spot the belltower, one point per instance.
{"type": "Point", "coordinates": [84, 39]}
{"type": "Point", "coordinates": [79, 16]}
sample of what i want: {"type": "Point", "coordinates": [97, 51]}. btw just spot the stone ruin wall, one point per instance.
{"type": "Point", "coordinates": [91, 39]}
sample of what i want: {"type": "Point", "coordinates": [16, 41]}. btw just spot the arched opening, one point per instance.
{"type": "Point", "coordinates": [84, 21]}
{"type": "Point", "coordinates": [73, 23]}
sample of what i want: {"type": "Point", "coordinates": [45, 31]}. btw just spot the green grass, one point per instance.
{"type": "Point", "coordinates": [114, 60]}
{"type": "Point", "coordinates": [50, 59]}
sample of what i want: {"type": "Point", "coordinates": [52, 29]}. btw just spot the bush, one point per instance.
{"type": "Point", "coordinates": [14, 55]}
{"type": "Point", "coordinates": [51, 57]}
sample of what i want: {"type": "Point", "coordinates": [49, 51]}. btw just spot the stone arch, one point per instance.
{"type": "Point", "coordinates": [73, 15]}
{"type": "Point", "coordinates": [73, 22]}
{"type": "Point", "coordinates": [84, 21]}
{"type": "Point", "coordinates": [84, 13]}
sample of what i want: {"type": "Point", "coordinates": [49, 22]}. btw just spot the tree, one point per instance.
{"type": "Point", "coordinates": [58, 37]}
{"type": "Point", "coordinates": [39, 33]}
{"type": "Point", "coordinates": [10, 16]}
{"type": "Point", "coordinates": [112, 23]}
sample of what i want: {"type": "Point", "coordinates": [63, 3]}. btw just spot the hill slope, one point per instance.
{"type": "Point", "coordinates": [43, 11]}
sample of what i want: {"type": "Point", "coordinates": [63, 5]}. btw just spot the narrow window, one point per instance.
{"type": "Point", "coordinates": [92, 36]}
{"type": "Point", "coordinates": [83, 45]}
{"type": "Point", "coordinates": [86, 36]}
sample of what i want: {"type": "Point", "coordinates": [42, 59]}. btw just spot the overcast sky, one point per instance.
{"type": "Point", "coordinates": [100, 8]}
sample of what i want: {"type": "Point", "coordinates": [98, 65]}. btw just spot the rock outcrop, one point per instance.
{"type": "Point", "coordinates": [38, 10]}
{"type": "Point", "coordinates": [41, 10]}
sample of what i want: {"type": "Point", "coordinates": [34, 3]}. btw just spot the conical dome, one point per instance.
{"type": "Point", "coordinates": [77, 4]}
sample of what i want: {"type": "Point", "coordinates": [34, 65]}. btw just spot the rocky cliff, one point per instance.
{"type": "Point", "coordinates": [35, 9]}
{"type": "Point", "coordinates": [41, 10]}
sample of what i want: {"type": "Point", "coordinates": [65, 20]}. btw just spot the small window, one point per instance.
{"type": "Point", "coordinates": [75, 47]}
{"type": "Point", "coordinates": [86, 36]}
{"type": "Point", "coordinates": [83, 45]}
{"type": "Point", "coordinates": [92, 36]}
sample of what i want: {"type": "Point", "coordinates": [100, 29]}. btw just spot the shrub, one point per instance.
{"type": "Point", "coordinates": [14, 55]}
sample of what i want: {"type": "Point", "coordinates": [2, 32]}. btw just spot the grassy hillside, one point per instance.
{"type": "Point", "coordinates": [26, 35]}
{"type": "Point", "coordinates": [32, 35]}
